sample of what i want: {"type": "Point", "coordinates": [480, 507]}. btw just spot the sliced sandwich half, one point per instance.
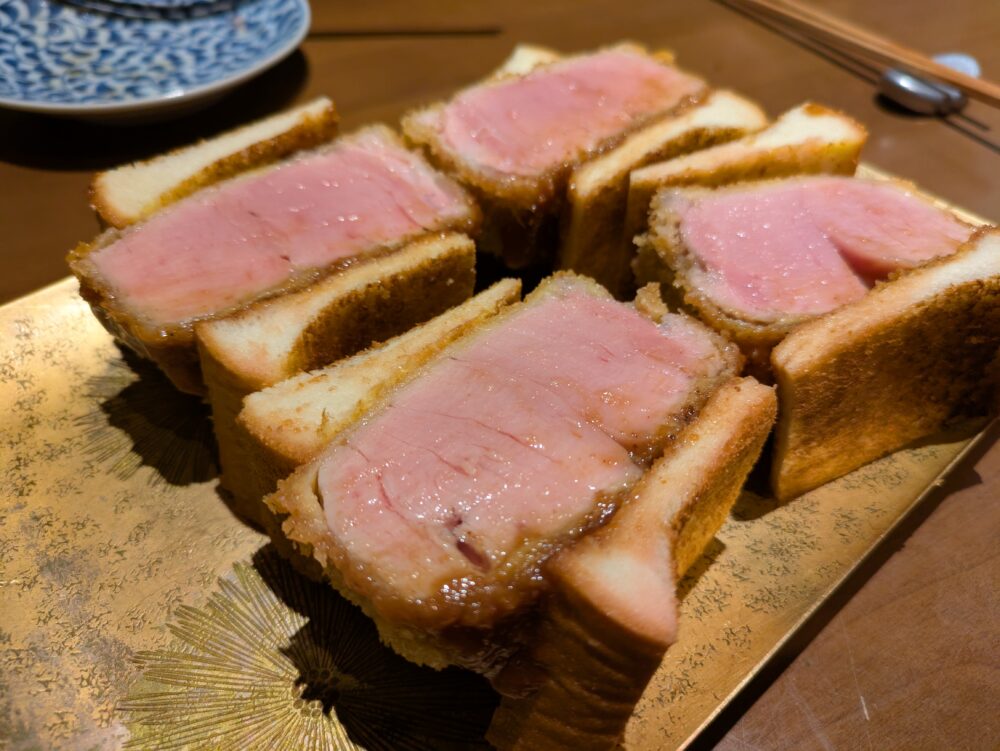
{"type": "Point", "coordinates": [258, 236]}
{"type": "Point", "coordinates": [567, 451]}
{"type": "Point", "coordinates": [755, 260]}
{"type": "Point", "coordinates": [514, 138]}
{"type": "Point", "coordinates": [864, 299]}
{"type": "Point", "coordinates": [506, 446]}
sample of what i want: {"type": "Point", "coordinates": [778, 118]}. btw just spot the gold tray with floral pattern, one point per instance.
{"type": "Point", "coordinates": [137, 612]}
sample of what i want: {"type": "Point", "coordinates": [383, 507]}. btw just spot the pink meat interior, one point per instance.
{"type": "Point", "coordinates": [531, 124]}
{"type": "Point", "coordinates": [809, 245]}
{"type": "Point", "coordinates": [227, 245]}
{"type": "Point", "coordinates": [503, 449]}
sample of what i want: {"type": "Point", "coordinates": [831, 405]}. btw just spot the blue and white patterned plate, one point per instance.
{"type": "Point", "coordinates": [61, 58]}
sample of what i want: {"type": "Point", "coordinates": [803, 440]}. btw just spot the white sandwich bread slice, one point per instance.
{"type": "Point", "coordinates": [897, 365]}
{"type": "Point", "coordinates": [336, 317]}
{"type": "Point", "coordinates": [611, 614]}
{"type": "Point", "coordinates": [809, 139]}
{"type": "Point", "coordinates": [130, 193]}
{"type": "Point", "coordinates": [594, 241]}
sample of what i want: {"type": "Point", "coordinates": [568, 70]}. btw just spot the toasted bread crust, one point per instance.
{"type": "Point", "coordinates": [593, 240]}
{"type": "Point", "coordinates": [747, 409]}
{"type": "Point", "coordinates": [371, 302]}
{"type": "Point", "coordinates": [173, 351]}
{"type": "Point", "coordinates": [895, 366]}
{"type": "Point", "coordinates": [342, 314]}
{"type": "Point", "coordinates": [595, 654]}
{"type": "Point", "coordinates": [520, 214]}
{"type": "Point", "coordinates": [315, 124]}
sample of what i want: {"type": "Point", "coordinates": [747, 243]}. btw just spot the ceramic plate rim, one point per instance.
{"type": "Point", "coordinates": [154, 102]}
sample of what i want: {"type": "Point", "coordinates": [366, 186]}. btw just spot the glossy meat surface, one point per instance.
{"type": "Point", "coordinates": [444, 504]}
{"type": "Point", "coordinates": [808, 245]}
{"type": "Point", "coordinates": [227, 245]}
{"type": "Point", "coordinates": [537, 122]}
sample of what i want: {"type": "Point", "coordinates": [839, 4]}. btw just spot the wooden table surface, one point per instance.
{"type": "Point", "coordinates": [911, 660]}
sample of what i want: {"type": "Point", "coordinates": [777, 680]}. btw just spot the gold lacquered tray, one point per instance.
{"type": "Point", "coordinates": [136, 611]}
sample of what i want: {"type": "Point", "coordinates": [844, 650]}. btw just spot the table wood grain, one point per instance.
{"type": "Point", "coordinates": [909, 655]}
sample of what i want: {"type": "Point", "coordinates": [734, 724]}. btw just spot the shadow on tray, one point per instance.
{"type": "Point", "coordinates": [698, 568]}
{"type": "Point", "coordinates": [140, 420]}
{"type": "Point", "coordinates": [756, 501]}
{"type": "Point", "coordinates": [382, 701]}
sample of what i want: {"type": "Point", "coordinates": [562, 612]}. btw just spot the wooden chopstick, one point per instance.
{"type": "Point", "coordinates": [859, 40]}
